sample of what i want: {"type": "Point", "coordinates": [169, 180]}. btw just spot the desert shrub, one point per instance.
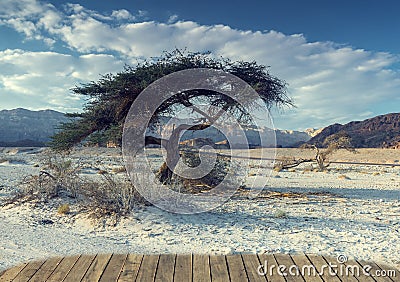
{"type": "Point", "coordinates": [63, 209]}
{"type": "Point", "coordinates": [110, 195]}
{"type": "Point", "coordinates": [119, 169]}
{"type": "Point", "coordinates": [60, 177]}
{"type": "Point", "coordinates": [280, 214]}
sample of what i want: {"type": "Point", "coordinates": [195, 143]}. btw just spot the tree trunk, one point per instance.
{"type": "Point", "coordinates": [166, 171]}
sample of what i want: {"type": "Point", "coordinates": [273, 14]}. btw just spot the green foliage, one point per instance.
{"type": "Point", "coordinates": [100, 138]}
{"type": "Point", "coordinates": [110, 98]}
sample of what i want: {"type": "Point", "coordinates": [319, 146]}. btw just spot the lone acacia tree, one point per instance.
{"type": "Point", "coordinates": [109, 99]}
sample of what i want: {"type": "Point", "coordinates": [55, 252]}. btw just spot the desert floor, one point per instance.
{"type": "Point", "coordinates": [350, 209]}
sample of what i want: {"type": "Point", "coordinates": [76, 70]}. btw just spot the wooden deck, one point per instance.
{"type": "Point", "coordinates": [180, 268]}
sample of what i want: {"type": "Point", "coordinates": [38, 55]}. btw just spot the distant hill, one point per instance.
{"type": "Point", "coordinates": [284, 138]}
{"type": "Point", "coordinates": [25, 128]}
{"type": "Point", "coordinates": [378, 132]}
{"type": "Point", "coordinates": [21, 127]}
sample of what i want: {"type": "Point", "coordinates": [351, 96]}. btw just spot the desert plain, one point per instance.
{"type": "Point", "coordinates": [349, 209]}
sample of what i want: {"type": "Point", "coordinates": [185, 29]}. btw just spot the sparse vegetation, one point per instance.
{"type": "Point", "coordinates": [344, 177]}
{"type": "Point", "coordinates": [63, 209]}
{"type": "Point", "coordinates": [332, 143]}
{"type": "Point", "coordinates": [289, 162]}
{"type": "Point", "coordinates": [119, 169]}
{"type": "Point", "coordinates": [280, 214]}
{"type": "Point", "coordinates": [60, 177]}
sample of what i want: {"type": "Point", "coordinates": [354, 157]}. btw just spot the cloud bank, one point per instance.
{"type": "Point", "coordinates": [328, 82]}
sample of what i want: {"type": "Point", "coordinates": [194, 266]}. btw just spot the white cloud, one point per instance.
{"type": "Point", "coordinates": [44, 79]}
{"type": "Point", "coordinates": [172, 19]}
{"type": "Point", "coordinates": [122, 15]}
{"type": "Point", "coordinates": [329, 82]}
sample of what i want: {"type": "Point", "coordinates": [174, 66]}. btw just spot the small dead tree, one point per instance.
{"type": "Point", "coordinates": [334, 142]}
{"type": "Point", "coordinates": [289, 162]}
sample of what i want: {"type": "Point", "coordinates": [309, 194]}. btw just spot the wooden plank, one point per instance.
{"type": "Point", "coordinates": [307, 269]}
{"type": "Point", "coordinates": [251, 264]}
{"type": "Point", "coordinates": [97, 267]}
{"type": "Point", "coordinates": [218, 269]}
{"type": "Point", "coordinates": [269, 262]}
{"type": "Point", "coordinates": [11, 273]}
{"type": "Point", "coordinates": [183, 268]}
{"type": "Point", "coordinates": [28, 271]}
{"type": "Point", "coordinates": [46, 269]}
{"type": "Point", "coordinates": [166, 268]}
{"type": "Point", "coordinates": [288, 268]}
{"type": "Point", "coordinates": [80, 268]}
{"type": "Point", "coordinates": [131, 268]}
{"type": "Point", "coordinates": [63, 268]}
{"type": "Point", "coordinates": [323, 268]}
{"type": "Point", "coordinates": [201, 268]}
{"type": "Point", "coordinates": [147, 271]}
{"type": "Point", "coordinates": [374, 271]}
{"type": "Point", "coordinates": [394, 276]}
{"type": "Point", "coordinates": [354, 269]}
{"type": "Point", "coordinates": [113, 268]}
{"type": "Point", "coordinates": [236, 269]}
{"type": "Point", "coordinates": [345, 276]}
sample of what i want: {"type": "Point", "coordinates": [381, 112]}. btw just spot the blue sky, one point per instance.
{"type": "Point", "coordinates": [340, 58]}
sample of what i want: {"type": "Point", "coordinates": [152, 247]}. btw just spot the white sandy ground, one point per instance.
{"type": "Point", "coordinates": [358, 216]}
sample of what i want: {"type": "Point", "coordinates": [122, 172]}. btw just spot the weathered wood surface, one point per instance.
{"type": "Point", "coordinates": [172, 267]}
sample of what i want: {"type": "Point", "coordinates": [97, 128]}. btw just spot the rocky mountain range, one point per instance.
{"type": "Point", "coordinates": [21, 127]}
{"type": "Point", "coordinates": [378, 132]}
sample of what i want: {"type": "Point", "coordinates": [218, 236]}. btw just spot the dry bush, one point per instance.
{"type": "Point", "coordinates": [119, 169]}
{"type": "Point", "coordinates": [63, 209]}
{"type": "Point", "coordinates": [60, 177]}
{"type": "Point", "coordinates": [110, 195]}
{"type": "Point", "coordinates": [280, 214]}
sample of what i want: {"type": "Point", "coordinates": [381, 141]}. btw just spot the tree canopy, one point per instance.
{"type": "Point", "coordinates": [109, 99]}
